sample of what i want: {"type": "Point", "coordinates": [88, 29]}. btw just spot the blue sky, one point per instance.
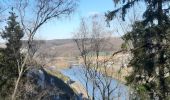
{"type": "Point", "coordinates": [63, 28]}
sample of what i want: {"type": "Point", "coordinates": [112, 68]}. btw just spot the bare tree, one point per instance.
{"type": "Point", "coordinates": [82, 39]}
{"type": "Point", "coordinates": [42, 57]}
{"type": "Point", "coordinates": [42, 11]}
{"type": "Point", "coordinates": [91, 40]}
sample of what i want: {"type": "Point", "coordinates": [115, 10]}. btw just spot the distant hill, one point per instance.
{"type": "Point", "coordinates": [67, 47]}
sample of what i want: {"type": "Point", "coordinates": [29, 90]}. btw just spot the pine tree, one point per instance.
{"type": "Point", "coordinates": [150, 40]}
{"type": "Point", "coordinates": [10, 56]}
{"type": "Point", "coordinates": [13, 34]}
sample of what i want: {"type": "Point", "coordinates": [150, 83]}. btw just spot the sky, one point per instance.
{"type": "Point", "coordinates": [63, 28]}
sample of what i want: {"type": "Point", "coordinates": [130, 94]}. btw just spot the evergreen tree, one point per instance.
{"type": "Point", "coordinates": [10, 56]}
{"type": "Point", "coordinates": [150, 40]}
{"type": "Point", "coordinates": [13, 34]}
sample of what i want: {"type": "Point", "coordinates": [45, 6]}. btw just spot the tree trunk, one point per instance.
{"type": "Point", "coordinates": [161, 59]}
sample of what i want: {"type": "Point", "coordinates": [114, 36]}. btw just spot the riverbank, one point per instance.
{"type": "Point", "coordinates": [116, 65]}
{"type": "Point", "coordinates": [116, 69]}
{"type": "Point", "coordinates": [53, 71]}
{"type": "Point", "coordinates": [77, 74]}
{"type": "Point", "coordinates": [77, 87]}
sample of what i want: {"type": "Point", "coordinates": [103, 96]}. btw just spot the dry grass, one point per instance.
{"type": "Point", "coordinates": [60, 63]}
{"type": "Point", "coordinates": [114, 71]}
{"type": "Point", "coordinates": [58, 74]}
{"type": "Point", "coordinates": [78, 87]}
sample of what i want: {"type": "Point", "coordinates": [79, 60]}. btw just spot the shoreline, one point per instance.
{"type": "Point", "coordinates": [77, 87]}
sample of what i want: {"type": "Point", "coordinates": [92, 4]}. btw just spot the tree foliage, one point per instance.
{"type": "Point", "coordinates": [10, 56]}
{"type": "Point", "coordinates": [150, 41]}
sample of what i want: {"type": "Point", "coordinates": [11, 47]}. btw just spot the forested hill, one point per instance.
{"type": "Point", "coordinates": [60, 47]}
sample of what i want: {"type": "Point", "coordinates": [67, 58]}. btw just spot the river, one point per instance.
{"type": "Point", "coordinates": [76, 73]}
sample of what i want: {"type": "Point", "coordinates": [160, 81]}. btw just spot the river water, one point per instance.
{"type": "Point", "coordinates": [76, 73]}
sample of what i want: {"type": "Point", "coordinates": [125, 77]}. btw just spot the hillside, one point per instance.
{"type": "Point", "coordinates": [68, 48]}
{"type": "Point", "coordinates": [44, 86]}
